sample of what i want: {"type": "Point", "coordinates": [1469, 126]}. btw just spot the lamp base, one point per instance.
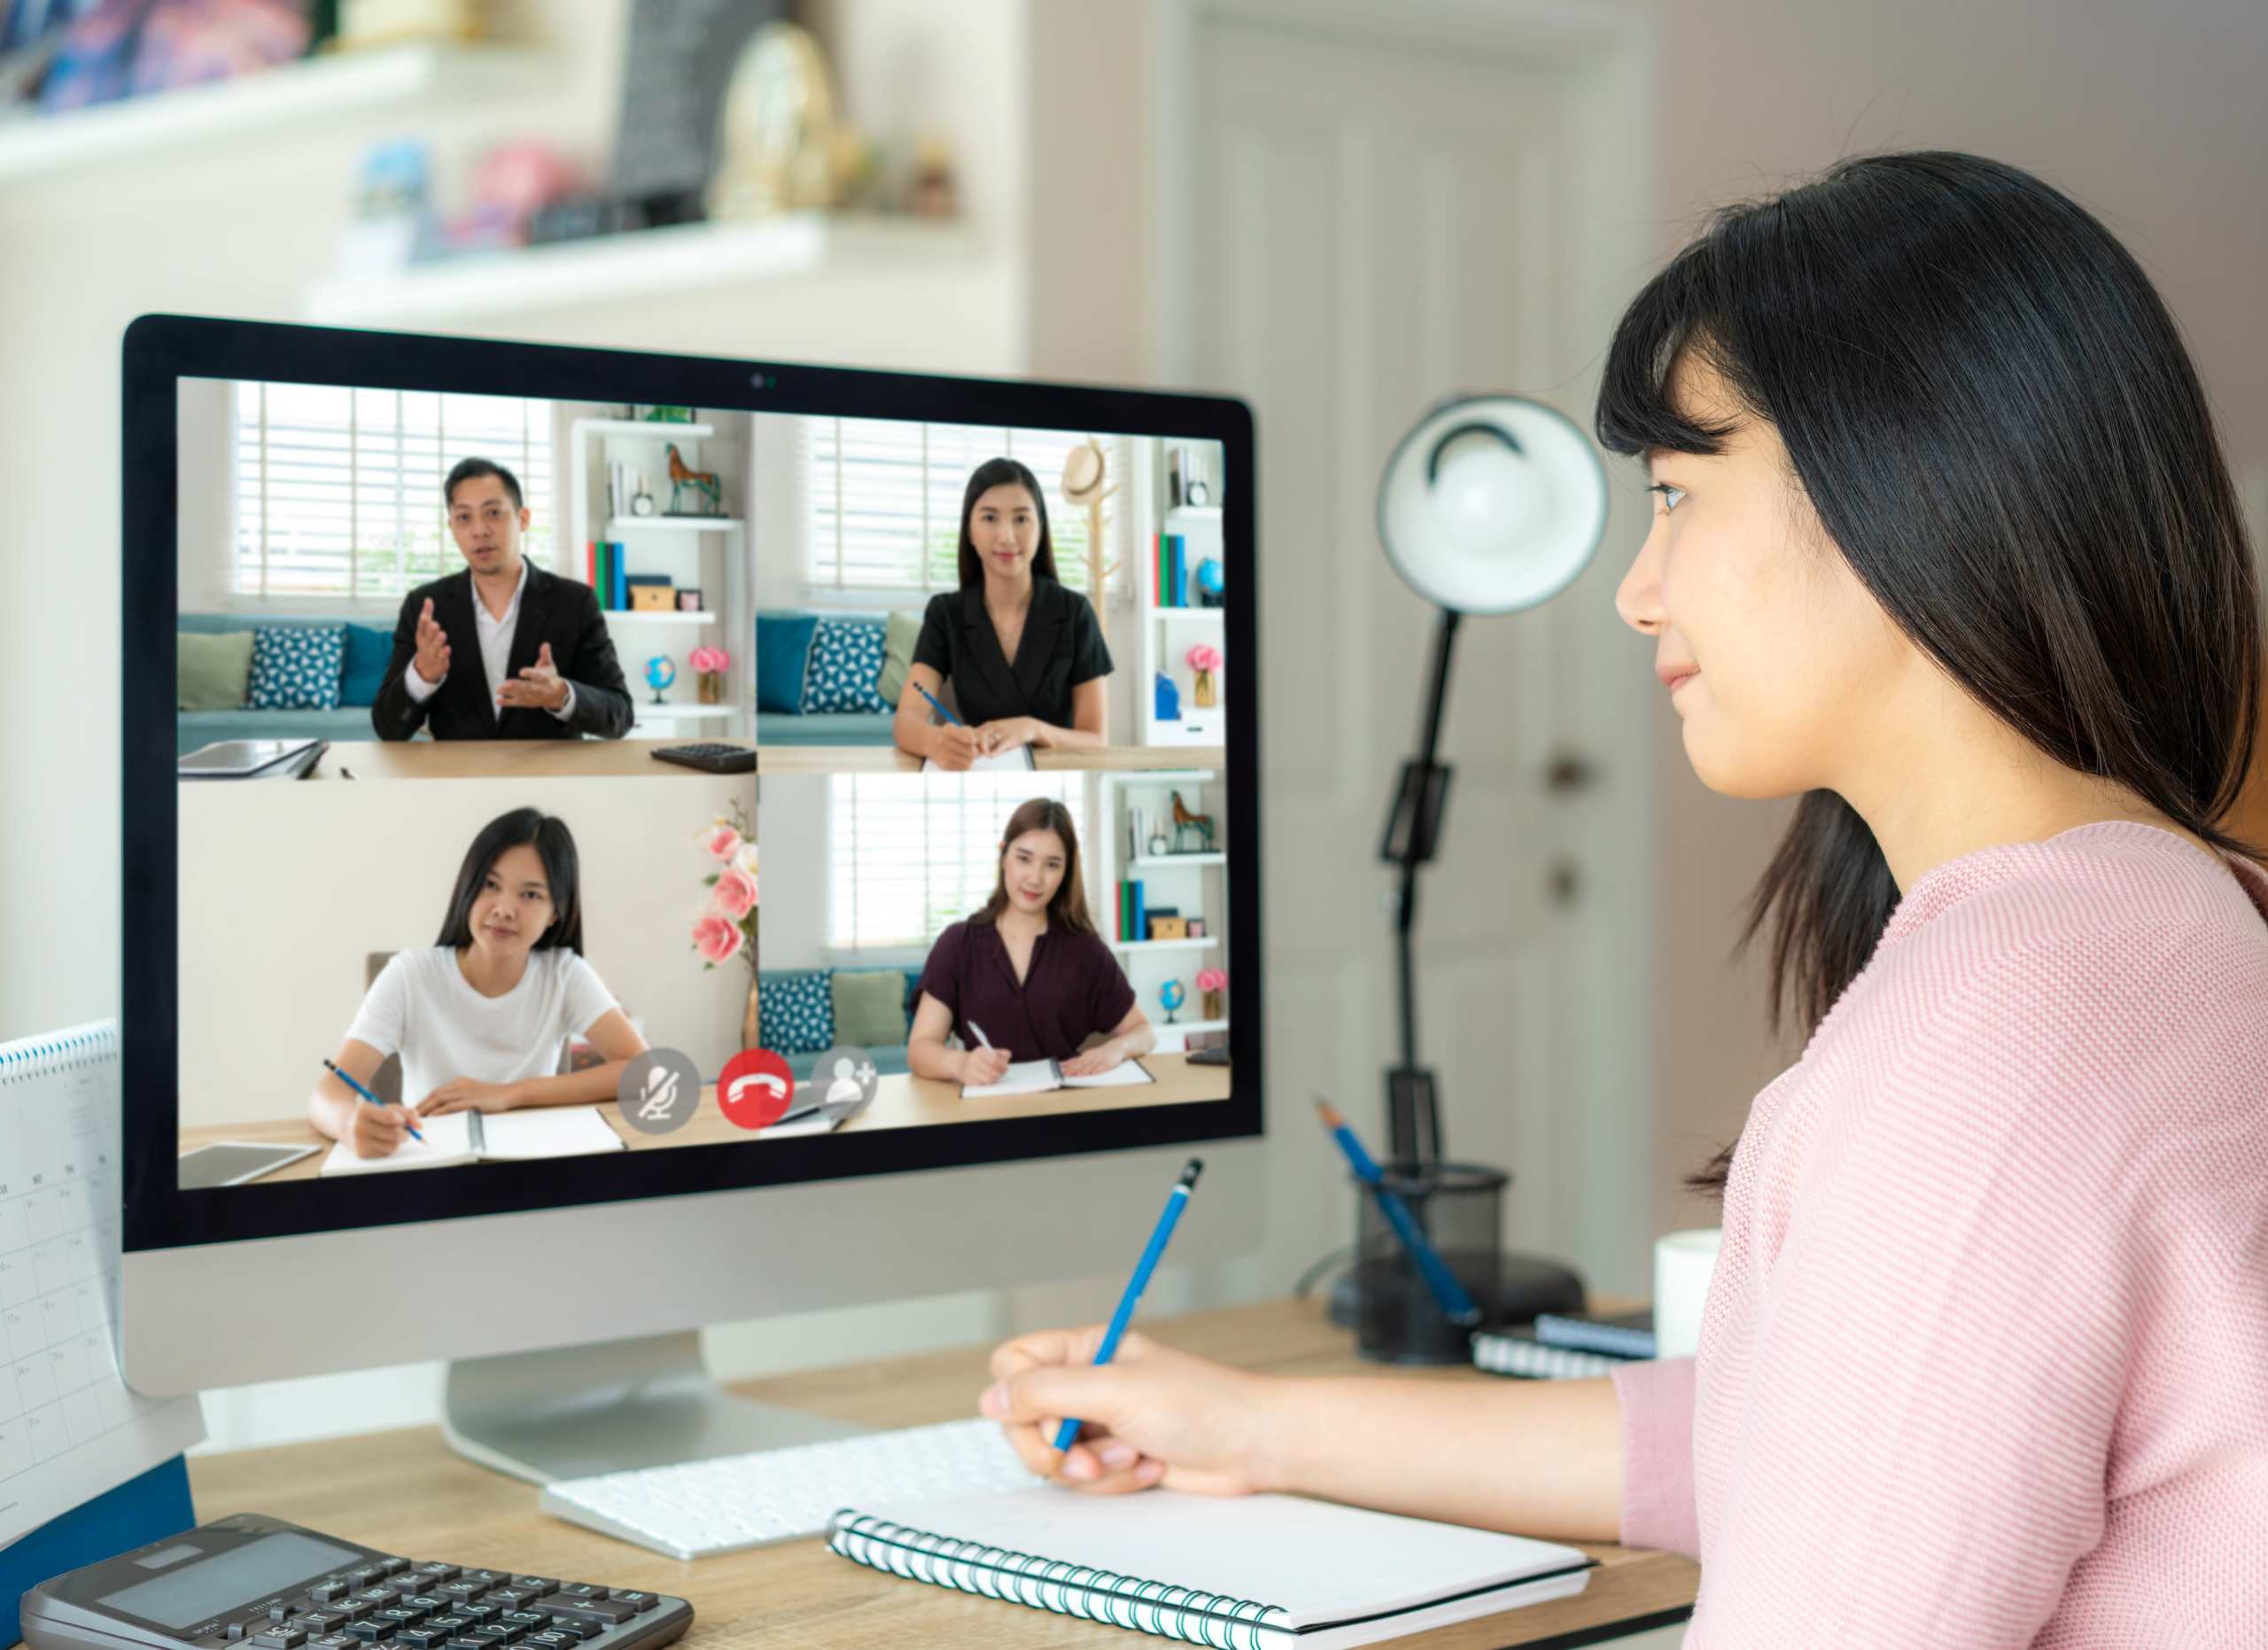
{"type": "Point", "coordinates": [1525, 1285]}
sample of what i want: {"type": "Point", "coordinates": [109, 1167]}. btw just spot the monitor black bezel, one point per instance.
{"type": "Point", "coordinates": [158, 351]}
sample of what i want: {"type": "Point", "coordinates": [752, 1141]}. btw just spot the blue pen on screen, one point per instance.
{"type": "Point", "coordinates": [1177, 1201]}
{"type": "Point", "coordinates": [372, 1099]}
{"type": "Point", "coordinates": [1456, 1305]}
{"type": "Point", "coordinates": [940, 709]}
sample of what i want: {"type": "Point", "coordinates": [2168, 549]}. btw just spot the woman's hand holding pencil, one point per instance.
{"type": "Point", "coordinates": [1152, 1414]}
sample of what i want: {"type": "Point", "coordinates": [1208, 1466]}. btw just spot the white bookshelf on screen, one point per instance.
{"type": "Point", "coordinates": [1193, 882]}
{"type": "Point", "coordinates": [695, 552]}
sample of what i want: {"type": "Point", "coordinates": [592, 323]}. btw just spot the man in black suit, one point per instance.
{"type": "Point", "coordinates": [503, 650]}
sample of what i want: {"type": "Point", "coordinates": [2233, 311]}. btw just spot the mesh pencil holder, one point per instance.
{"type": "Point", "coordinates": [1459, 1207]}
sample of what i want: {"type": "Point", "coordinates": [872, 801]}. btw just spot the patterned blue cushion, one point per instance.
{"type": "Point", "coordinates": [797, 1014]}
{"type": "Point", "coordinates": [295, 668]}
{"type": "Point", "coordinates": [846, 665]}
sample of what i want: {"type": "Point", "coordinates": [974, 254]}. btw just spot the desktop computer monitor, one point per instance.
{"type": "Point", "coordinates": [416, 633]}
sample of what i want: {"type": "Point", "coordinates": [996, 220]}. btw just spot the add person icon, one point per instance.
{"type": "Point", "coordinates": [851, 1078]}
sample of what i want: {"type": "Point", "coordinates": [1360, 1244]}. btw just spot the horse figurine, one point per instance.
{"type": "Point", "coordinates": [1184, 822]}
{"type": "Point", "coordinates": [706, 491]}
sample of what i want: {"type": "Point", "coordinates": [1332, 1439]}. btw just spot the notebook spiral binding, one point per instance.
{"type": "Point", "coordinates": [1097, 1595]}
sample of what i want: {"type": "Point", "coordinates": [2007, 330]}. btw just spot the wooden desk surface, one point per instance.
{"type": "Point", "coordinates": [901, 1101]}
{"type": "Point", "coordinates": [506, 759]}
{"type": "Point", "coordinates": [880, 758]}
{"type": "Point", "coordinates": [405, 1492]}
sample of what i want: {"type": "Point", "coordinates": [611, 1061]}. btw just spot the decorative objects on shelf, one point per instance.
{"type": "Point", "coordinates": [1185, 823]}
{"type": "Point", "coordinates": [389, 223]}
{"type": "Point", "coordinates": [1210, 983]}
{"type": "Point", "coordinates": [652, 598]}
{"type": "Point", "coordinates": [1172, 994]}
{"type": "Point", "coordinates": [642, 504]}
{"type": "Point", "coordinates": [512, 184]}
{"type": "Point", "coordinates": [661, 671]}
{"type": "Point", "coordinates": [727, 926]}
{"type": "Point", "coordinates": [784, 149]}
{"type": "Point", "coordinates": [689, 599]}
{"type": "Point", "coordinates": [708, 492]}
{"type": "Point", "coordinates": [710, 665]}
{"type": "Point", "coordinates": [1169, 699]}
{"type": "Point", "coordinates": [931, 193]}
{"type": "Point", "coordinates": [1204, 658]}
{"type": "Point", "coordinates": [119, 49]}
{"type": "Point", "coordinates": [1170, 925]}
{"type": "Point", "coordinates": [1210, 582]}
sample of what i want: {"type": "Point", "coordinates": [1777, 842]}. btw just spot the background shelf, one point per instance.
{"type": "Point", "coordinates": [294, 96]}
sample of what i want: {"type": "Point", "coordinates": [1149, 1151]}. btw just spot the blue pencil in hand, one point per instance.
{"type": "Point", "coordinates": [1177, 1201]}
{"type": "Point", "coordinates": [1456, 1305]}
{"type": "Point", "coordinates": [366, 1095]}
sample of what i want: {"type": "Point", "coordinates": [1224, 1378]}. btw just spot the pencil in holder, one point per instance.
{"type": "Point", "coordinates": [1459, 1208]}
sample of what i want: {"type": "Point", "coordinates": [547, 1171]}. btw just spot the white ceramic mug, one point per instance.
{"type": "Point", "coordinates": [1684, 1262]}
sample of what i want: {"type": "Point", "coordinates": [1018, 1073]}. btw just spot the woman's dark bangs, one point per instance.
{"type": "Point", "coordinates": [1636, 416]}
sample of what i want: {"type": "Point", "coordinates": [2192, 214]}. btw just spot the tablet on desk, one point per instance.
{"type": "Point", "coordinates": [232, 1163]}
{"type": "Point", "coordinates": [239, 759]}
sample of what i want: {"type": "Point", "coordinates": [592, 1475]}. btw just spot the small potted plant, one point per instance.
{"type": "Point", "coordinates": [726, 928]}
{"type": "Point", "coordinates": [1210, 983]}
{"type": "Point", "coordinates": [1204, 658]}
{"type": "Point", "coordinates": [709, 667]}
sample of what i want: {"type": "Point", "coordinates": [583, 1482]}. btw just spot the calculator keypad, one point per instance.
{"type": "Point", "coordinates": [394, 1604]}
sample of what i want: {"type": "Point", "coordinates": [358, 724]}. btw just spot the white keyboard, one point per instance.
{"type": "Point", "coordinates": [736, 1501]}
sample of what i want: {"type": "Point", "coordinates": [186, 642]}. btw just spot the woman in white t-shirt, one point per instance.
{"type": "Point", "coordinates": [480, 1018]}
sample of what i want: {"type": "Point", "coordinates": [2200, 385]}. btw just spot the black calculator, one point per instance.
{"type": "Point", "coordinates": [715, 758]}
{"type": "Point", "coordinates": [261, 1583]}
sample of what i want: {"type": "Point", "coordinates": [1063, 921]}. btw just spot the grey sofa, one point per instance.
{"type": "Point", "coordinates": [195, 730]}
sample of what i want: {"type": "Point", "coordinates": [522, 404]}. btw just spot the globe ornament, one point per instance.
{"type": "Point", "coordinates": [660, 672]}
{"type": "Point", "coordinates": [1172, 994]}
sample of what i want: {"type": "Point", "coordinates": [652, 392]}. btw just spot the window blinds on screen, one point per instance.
{"type": "Point", "coordinates": [339, 491]}
{"type": "Point", "coordinates": [907, 857]}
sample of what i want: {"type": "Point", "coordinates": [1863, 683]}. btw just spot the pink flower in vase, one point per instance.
{"type": "Point", "coordinates": [720, 841]}
{"type": "Point", "coordinates": [707, 661]}
{"type": "Point", "coordinates": [718, 939]}
{"type": "Point", "coordinates": [1204, 656]}
{"type": "Point", "coordinates": [735, 893]}
{"type": "Point", "coordinates": [1211, 980]}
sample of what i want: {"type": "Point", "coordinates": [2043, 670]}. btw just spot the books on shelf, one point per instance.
{"type": "Point", "coordinates": [1133, 915]}
{"type": "Point", "coordinates": [609, 577]}
{"type": "Point", "coordinates": [1171, 569]}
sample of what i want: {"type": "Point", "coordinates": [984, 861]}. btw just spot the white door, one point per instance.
{"type": "Point", "coordinates": [1369, 207]}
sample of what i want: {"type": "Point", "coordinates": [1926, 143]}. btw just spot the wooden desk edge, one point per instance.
{"type": "Point", "coordinates": [403, 1491]}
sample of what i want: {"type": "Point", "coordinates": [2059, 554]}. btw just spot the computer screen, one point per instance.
{"type": "Point", "coordinates": [418, 633]}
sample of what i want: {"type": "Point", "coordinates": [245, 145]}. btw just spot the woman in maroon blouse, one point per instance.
{"type": "Point", "coordinates": [1028, 971]}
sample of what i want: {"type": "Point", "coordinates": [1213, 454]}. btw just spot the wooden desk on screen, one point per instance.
{"type": "Point", "coordinates": [883, 758]}
{"type": "Point", "coordinates": [404, 1492]}
{"type": "Point", "coordinates": [901, 1101]}
{"type": "Point", "coordinates": [503, 759]}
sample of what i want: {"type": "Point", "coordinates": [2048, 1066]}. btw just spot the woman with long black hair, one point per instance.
{"type": "Point", "coordinates": [1945, 544]}
{"type": "Point", "coordinates": [481, 1017]}
{"type": "Point", "coordinates": [1025, 656]}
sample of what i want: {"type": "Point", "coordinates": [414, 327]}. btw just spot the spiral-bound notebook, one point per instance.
{"type": "Point", "coordinates": [1262, 1572]}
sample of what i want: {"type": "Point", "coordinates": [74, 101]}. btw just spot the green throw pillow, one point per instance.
{"type": "Point", "coordinates": [869, 1008]}
{"type": "Point", "coordinates": [215, 671]}
{"type": "Point", "coordinates": [900, 632]}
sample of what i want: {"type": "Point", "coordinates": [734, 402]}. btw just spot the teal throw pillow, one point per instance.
{"type": "Point", "coordinates": [795, 1012]}
{"type": "Point", "coordinates": [846, 663]}
{"type": "Point", "coordinates": [296, 667]}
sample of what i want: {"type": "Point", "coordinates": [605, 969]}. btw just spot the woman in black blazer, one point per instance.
{"type": "Point", "coordinates": [1026, 656]}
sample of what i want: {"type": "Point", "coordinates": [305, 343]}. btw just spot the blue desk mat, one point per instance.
{"type": "Point", "coordinates": [133, 1515]}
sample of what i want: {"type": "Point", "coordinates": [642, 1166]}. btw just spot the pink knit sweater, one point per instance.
{"type": "Point", "coordinates": [1985, 1358]}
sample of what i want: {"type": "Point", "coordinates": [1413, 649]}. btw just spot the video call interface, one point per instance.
{"type": "Point", "coordinates": [442, 901]}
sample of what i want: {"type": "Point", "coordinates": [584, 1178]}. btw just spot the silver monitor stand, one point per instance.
{"type": "Point", "coordinates": [579, 1411]}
